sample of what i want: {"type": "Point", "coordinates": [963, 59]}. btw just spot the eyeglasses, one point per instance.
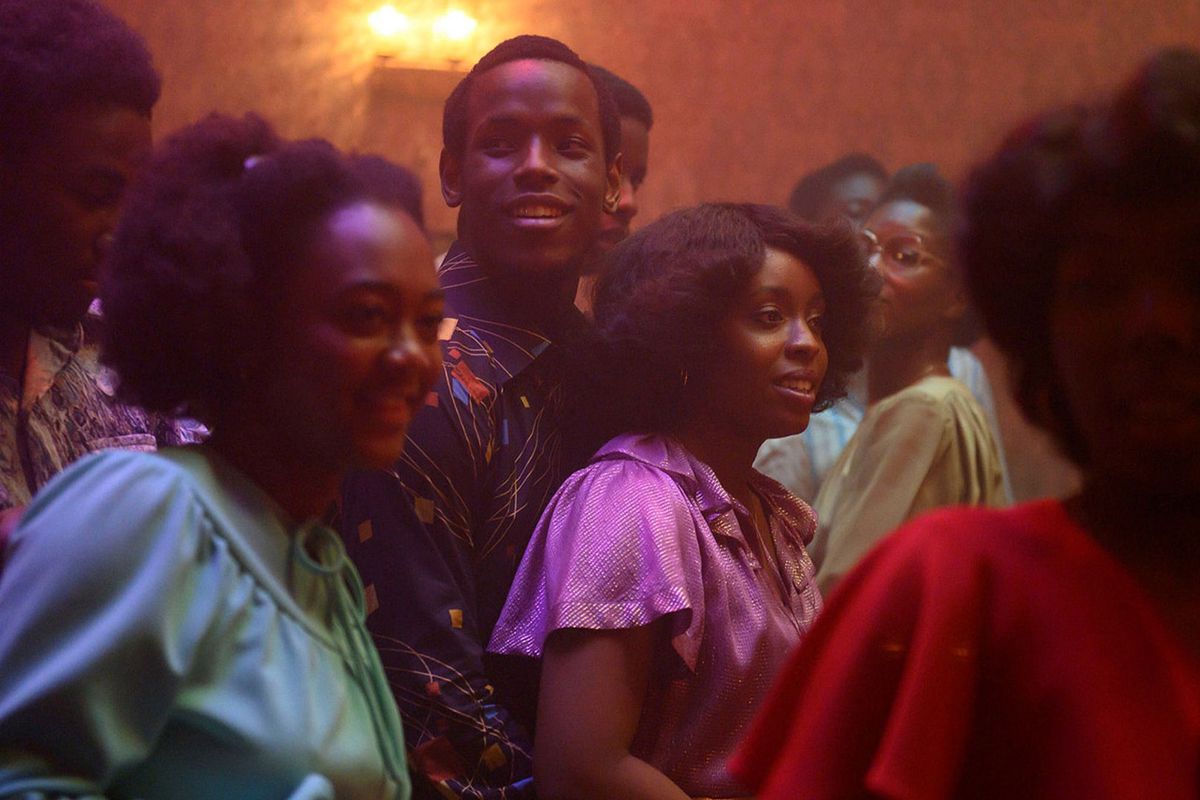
{"type": "Point", "coordinates": [901, 253]}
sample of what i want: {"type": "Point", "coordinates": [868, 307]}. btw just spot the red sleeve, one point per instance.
{"type": "Point", "coordinates": [878, 699]}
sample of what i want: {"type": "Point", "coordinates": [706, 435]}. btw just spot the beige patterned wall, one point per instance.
{"type": "Point", "coordinates": [748, 94]}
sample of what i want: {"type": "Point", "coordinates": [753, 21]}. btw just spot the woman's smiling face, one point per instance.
{"type": "Point", "coordinates": [770, 358]}
{"type": "Point", "coordinates": [356, 352]}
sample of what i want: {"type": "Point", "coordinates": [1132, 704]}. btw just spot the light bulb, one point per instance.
{"type": "Point", "coordinates": [386, 21]}
{"type": "Point", "coordinates": [454, 25]}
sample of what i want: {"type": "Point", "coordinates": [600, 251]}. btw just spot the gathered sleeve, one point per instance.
{"type": "Point", "coordinates": [880, 696]}
{"type": "Point", "coordinates": [616, 548]}
{"type": "Point", "coordinates": [107, 594]}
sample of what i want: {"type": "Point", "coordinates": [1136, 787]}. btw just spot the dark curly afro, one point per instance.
{"type": "Point", "coordinates": [203, 252]}
{"type": "Point", "coordinates": [1024, 204]}
{"type": "Point", "coordinates": [58, 54]}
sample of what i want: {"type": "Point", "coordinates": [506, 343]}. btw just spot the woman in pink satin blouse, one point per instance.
{"type": "Point", "coordinates": [668, 580]}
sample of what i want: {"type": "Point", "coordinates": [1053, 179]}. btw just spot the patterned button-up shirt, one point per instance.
{"type": "Point", "coordinates": [65, 408]}
{"type": "Point", "coordinates": [438, 539]}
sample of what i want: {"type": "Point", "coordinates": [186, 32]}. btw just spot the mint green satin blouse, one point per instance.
{"type": "Point", "coordinates": [164, 634]}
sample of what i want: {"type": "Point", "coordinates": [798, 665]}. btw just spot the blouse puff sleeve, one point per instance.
{"type": "Point", "coordinates": [880, 695]}
{"type": "Point", "coordinates": [107, 586]}
{"type": "Point", "coordinates": [616, 548]}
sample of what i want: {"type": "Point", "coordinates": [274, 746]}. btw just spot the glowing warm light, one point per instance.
{"type": "Point", "coordinates": [454, 25]}
{"type": "Point", "coordinates": [420, 40]}
{"type": "Point", "coordinates": [387, 21]}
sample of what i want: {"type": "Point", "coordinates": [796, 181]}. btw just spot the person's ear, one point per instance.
{"type": "Point", "coordinates": [958, 304]}
{"type": "Point", "coordinates": [612, 192]}
{"type": "Point", "coordinates": [450, 171]}
{"type": "Point", "coordinates": [956, 309]}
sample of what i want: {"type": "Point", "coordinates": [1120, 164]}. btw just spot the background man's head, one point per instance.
{"type": "Point", "coordinates": [531, 140]}
{"type": "Point", "coordinates": [637, 118]}
{"type": "Point", "coordinates": [849, 187]}
{"type": "Point", "coordinates": [76, 89]}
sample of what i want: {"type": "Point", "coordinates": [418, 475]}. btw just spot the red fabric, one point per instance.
{"type": "Point", "coordinates": [982, 653]}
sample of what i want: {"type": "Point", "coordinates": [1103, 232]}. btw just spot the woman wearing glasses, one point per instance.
{"type": "Point", "coordinates": [924, 442]}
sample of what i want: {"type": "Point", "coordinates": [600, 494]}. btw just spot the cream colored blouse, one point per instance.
{"type": "Point", "coordinates": [924, 447]}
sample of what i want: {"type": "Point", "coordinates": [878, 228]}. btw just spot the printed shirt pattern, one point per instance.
{"type": "Point", "coordinates": [438, 541]}
{"type": "Point", "coordinates": [66, 408]}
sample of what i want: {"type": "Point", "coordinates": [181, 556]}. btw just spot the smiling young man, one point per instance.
{"type": "Point", "coordinates": [530, 159]}
{"type": "Point", "coordinates": [76, 90]}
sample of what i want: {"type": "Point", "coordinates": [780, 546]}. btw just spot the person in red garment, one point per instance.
{"type": "Point", "coordinates": [1052, 649]}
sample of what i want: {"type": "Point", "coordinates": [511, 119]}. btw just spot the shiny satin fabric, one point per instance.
{"type": "Point", "coordinates": [644, 532]}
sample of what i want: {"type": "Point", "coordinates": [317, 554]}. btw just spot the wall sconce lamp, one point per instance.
{"type": "Point", "coordinates": [422, 41]}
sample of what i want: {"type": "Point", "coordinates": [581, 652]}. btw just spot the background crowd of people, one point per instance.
{"type": "Point", "coordinates": [286, 511]}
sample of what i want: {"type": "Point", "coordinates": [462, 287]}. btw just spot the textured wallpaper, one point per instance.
{"type": "Point", "coordinates": [748, 94]}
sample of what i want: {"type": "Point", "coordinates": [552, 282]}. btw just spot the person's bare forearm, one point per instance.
{"type": "Point", "coordinates": [637, 780]}
{"type": "Point", "coordinates": [593, 686]}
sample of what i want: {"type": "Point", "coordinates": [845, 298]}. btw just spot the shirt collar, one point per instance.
{"type": "Point", "coordinates": [66, 338]}
{"type": "Point", "coordinates": [50, 348]}
{"type": "Point", "coordinates": [471, 299]}
{"type": "Point", "coordinates": [668, 455]}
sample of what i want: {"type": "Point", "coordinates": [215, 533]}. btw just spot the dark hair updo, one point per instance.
{"type": "Point", "coordinates": [202, 256]}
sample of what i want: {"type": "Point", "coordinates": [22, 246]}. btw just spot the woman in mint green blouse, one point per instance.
{"type": "Point", "coordinates": [180, 624]}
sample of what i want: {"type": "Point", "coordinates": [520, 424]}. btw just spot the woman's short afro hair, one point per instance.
{"type": "Point", "coordinates": [391, 184]}
{"type": "Point", "coordinates": [661, 300]}
{"type": "Point", "coordinates": [59, 54]}
{"type": "Point", "coordinates": [1024, 203]}
{"type": "Point", "coordinates": [924, 184]}
{"type": "Point", "coordinates": [203, 253]}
